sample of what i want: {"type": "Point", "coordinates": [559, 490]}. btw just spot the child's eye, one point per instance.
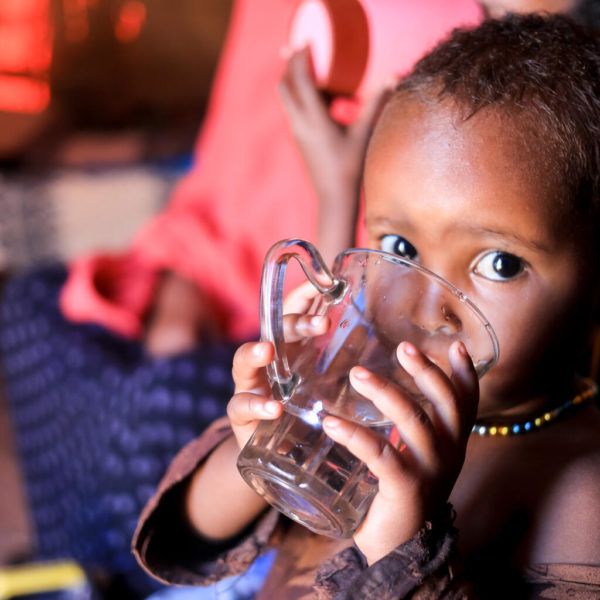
{"type": "Point", "coordinates": [396, 244]}
{"type": "Point", "coordinates": [499, 266]}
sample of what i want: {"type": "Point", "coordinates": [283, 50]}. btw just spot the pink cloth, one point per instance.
{"type": "Point", "coordinates": [248, 187]}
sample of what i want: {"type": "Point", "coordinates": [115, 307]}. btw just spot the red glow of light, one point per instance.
{"type": "Point", "coordinates": [23, 94]}
{"type": "Point", "coordinates": [25, 47]}
{"type": "Point", "coordinates": [25, 55]}
{"type": "Point", "coordinates": [22, 10]}
{"type": "Point", "coordinates": [130, 21]}
{"type": "Point", "coordinates": [25, 36]}
{"type": "Point", "coordinates": [77, 27]}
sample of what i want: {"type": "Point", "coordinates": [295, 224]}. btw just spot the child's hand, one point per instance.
{"type": "Point", "coordinates": [318, 136]}
{"type": "Point", "coordinates": [251, 401]}
{"type": "Point", "coordinates": [415, 479]}
{"type": "Point", "coordinates": [181, 317]}
{"type": "Point", "coordinates": [333, 153]}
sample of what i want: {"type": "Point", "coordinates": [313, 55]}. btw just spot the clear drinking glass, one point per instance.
{"type": "Point", "coordinates": [374, 300]}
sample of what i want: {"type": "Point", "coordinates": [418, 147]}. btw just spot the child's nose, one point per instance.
{"type": "Point", "coordinates": [436, 310]}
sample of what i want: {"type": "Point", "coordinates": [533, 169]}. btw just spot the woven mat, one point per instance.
{"type": "Point", "coordinates": [61, 214]}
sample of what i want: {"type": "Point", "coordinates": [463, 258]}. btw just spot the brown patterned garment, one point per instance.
{"type": "Point", "coordinates": [316, 567]}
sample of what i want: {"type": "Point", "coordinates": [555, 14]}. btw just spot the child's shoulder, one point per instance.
{"type": "Point", "coordinates": [568, 511]}
{"type": "Point", "coordinates": [574, 454]}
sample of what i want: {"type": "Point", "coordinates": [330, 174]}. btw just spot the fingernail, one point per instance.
{"type": "Point", "coordinates": [331, 423]}
{"type": "Point", "coordinates": [462, 349]}
{"type": "Point", "coordinates": [360, 373]}
{"type": "Point", "coordinates": [317, 320]}
{"type": "Point", "coordinates": [409, 349]}
{"type": "Point", "coordinates": [272, 407]}
{"type": "Point", "coordinates": [257, 350]}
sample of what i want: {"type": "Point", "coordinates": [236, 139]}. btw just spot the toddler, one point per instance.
{"type": "Point", "coordinates": [485, 168]}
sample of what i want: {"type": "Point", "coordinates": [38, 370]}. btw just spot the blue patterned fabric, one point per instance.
{"type": "Point", "coordinates": [97, 422]}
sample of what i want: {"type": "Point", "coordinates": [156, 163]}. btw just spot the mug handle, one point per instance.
{"type": "Point", "coordinates": [282, 379]}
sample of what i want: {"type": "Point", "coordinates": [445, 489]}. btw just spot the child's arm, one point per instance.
{"type": "Point", "coordinates": [180, 317]}
{"type": "Point", "coordinates": [415, 480]}
{"type": "Point", "coordinates": [219, 502]}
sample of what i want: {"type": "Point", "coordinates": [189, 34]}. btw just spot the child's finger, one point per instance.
{"type": "Point", "coordinates": [248, 363]}
{"type": "Point", "coordinates": [297, 88]}
{"type": "Point", "coordinates": [302, 72]}
{"type": "Point", "coordinates": [288, 98]}
{"type": "Point", "coordinates": [300, 298]}
{"type": "Point", "coordinates": [370, 447]}
{"type": "Point", "coordinates": [412, 422]}
{"type": "Point", "coordinates": [435, 386]}
{"type": "Point", "coordinates": [298, 327]}
{"type": "Point", "coordinates": [466, 382]}
{"type": "Point", "coordinates": [287, 84]}
{"type": "Point", "coordinates": [246, 407]}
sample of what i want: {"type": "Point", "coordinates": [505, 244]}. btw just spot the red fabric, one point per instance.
{"type": "Point", "coordinates": [248, 187]}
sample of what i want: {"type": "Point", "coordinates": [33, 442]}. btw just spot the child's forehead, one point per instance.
{"type": "Point", "coordinates": [441, 137]}
{"type": "Point", "coordinates": [449, 121]}
{"type": "Point", "coordinates": [426, 152]}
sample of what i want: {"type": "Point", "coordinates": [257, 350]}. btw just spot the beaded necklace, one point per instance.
{"type": "Point", "coordinates": [534, 423]}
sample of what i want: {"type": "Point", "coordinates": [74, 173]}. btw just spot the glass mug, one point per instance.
{"type": "Point", "coordinates": [374, 300]}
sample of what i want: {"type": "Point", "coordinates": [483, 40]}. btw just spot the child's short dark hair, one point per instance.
{"type": "Point", "coordinates": [543, 70]}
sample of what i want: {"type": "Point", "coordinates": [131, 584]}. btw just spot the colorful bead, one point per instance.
{"type": "Point", "coordinates": [533, 424]}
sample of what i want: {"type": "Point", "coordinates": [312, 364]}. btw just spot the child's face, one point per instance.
{"type": "Point", "coordinates": [468, 200]}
